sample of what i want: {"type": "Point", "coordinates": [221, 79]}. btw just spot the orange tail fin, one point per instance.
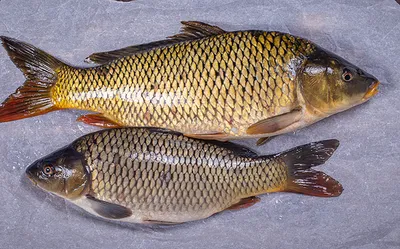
{"type": "Point", "coordinates": [39, 68]}
{"type": "Point", "coordinates": [303, 179]}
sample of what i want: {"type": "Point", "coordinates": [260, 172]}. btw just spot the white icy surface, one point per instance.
{"type": "Point", "coordinates": [367, 215]}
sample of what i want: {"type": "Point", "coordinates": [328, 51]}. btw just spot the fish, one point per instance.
{"type": "Point", "coordinates": [204, 82]}
{"type": "Point", "coordinates": [155, 176]}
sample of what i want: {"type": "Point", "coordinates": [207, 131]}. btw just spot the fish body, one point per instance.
{"type": "Point", "coordinates": [220, 84]}
{"type": "Point", "coordinates": [144, 176]}
{"type": "Point", "coordinates": [204, 82]}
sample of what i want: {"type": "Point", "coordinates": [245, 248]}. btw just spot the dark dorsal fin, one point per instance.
{"type": "Point", "coordinates": [190, 30]}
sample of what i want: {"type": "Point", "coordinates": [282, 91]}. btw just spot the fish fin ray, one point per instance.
{"type": "Point", "coordinates": [274, 124]}
{"type": "Point", "coordinates": [244, 203]}
{"type": "Point", "coordinates": [107, 209]}
{"type": "Point", "coordinates": [220, 136]}
{"type": "Point", "coordinates": [40, 69]}
{"type": "Point", "coordinates": [191, 30]}
{"type": "Point", "coordinates": [263, 140]}
{"type": "Point", "coordinates": [99, 120]}
{"type": "Point", "coordinates": [303, 179]}
{"type": "Point", "coordinates": [159, 222]}
{"type": "Point", "coordinates": [107, 57]}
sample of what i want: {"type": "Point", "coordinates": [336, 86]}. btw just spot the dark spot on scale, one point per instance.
{"type": "Point", "coordinates": [398, 1]}
{"type": "Point", "coordinates": [165, 177]}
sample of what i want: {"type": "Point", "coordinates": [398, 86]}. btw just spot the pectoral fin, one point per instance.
{"type": "Point", "coordinates": [275, 124]}
{"type": "Point", "coordinates": [98, 120]}
{"type": "Point", "coordinates": [107, 209]}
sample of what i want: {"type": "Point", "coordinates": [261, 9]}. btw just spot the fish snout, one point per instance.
{"type": "Point", "coordinates": [32, 172]}
{"type": "Point", "coordinates": [372, 89]}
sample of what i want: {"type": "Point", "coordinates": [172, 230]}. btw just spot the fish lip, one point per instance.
{"type": "Point", "coordinates": [30, 177]}
{"type": "Point", "coordinates": [372, 91]}
{"type": "Point", "coordinates": [32, 180]}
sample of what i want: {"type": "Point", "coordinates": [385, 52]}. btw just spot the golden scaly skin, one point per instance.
{"type": "Point", "coordinates": [218, 84]}
{"type": "Point", "coordinates": [172, 178]}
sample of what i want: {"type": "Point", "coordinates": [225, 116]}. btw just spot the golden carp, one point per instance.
{"type": "Point", "coordinates": [146, 176]}
{"type": "Point", "coordinates": [204, 82]}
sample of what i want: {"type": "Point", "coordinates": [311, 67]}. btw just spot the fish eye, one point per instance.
{"type": "Point", "coordinates": [347, 75]}
{"type": "Point", "coordinates": [48, 170]}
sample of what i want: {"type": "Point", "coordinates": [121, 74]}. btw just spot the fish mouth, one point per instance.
{"type": "Point", "coordinates": [31, 178]}
{"type": "Point", "coordinates": [372, 91]}
{"type": "Point", "coordinates": [33, 181]}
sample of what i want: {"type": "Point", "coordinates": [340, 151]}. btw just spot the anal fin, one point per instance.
{"type": "Point", "coordinates": [98, 120]}
{"type": "Point", "coordinates": [275, 124]}
{"type": "Point", "coordinates": [244, 203]}
{"type": "Point", "coordinates": [107, 209]}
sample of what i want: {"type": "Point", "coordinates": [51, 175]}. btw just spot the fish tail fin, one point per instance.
{"type": "Point", "coordinates": [40, 69]}
{"type": "Point", "coordinates": [302, 178]}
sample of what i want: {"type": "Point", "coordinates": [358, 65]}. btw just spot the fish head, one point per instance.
{"type": "Point", "coordinates": [330, 84]}
{"type": "Point", "coordinates": [63, 173]}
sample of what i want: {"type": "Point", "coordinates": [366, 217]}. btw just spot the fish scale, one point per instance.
{"type": "Point", "coordinates": [185, 175]}
{"type": "Point", "coordinates": [222, 83]}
